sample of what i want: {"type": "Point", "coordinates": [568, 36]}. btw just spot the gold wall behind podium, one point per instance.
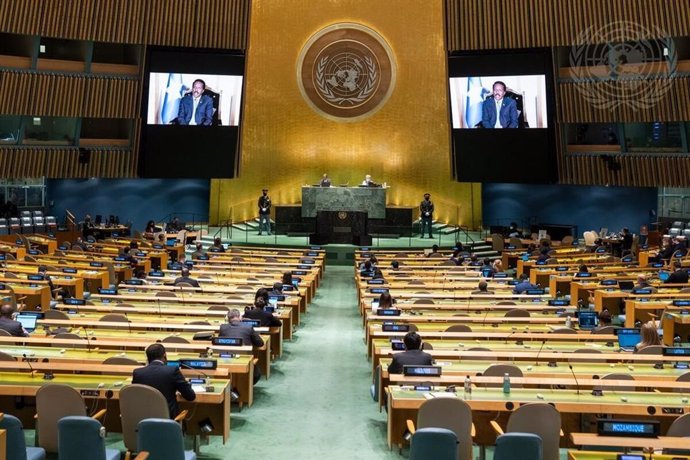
{"type": "Point", "coordinates": [286, 144]}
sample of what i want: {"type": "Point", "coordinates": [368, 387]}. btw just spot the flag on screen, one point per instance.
{"type": "Point", "coordinates": [171, 100]}
{"type": "Point", "coordinates": [475, 98]}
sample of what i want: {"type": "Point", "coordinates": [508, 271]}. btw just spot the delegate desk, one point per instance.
{"type": "Point", "coordinates": [596, 455]}
{"type": "Point", "coordinates": [403, 404]}
{"type": "Point", "coordinates": [626, 444]}
{"type": "Point", "coordinates": [18, 391]}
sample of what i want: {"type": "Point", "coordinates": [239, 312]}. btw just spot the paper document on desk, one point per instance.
{"type": "Point", "coordinates": [199, 388]}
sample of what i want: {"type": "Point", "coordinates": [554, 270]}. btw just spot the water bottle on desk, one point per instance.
{"type": "Point", "coordinates": [506, 383]}
{"type": "Point", "coordinates": [468, 387]}
{"type": "Point", "coordinates": [568, 322]}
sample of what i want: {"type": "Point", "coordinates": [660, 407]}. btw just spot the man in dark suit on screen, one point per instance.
{"type": "Point", "coordinates": [412, 356]}
{"type": "Point", "coordinates": [499, 111]}
{"type": "Point", "coordinates": [166, 379]}
{"type": "Point", "coordinates": [195, 107]}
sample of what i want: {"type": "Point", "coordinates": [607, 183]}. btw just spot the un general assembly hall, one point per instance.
{"type": "Point", "coordinates": [345, 229]}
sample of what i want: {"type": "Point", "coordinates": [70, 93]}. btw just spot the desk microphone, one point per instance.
{"type": "Point", "coordinates": [536, 362]}
{"type": "Point", "coordinates": [160, 314]}
{"type": "Point", "coordinates": [485, 315]}
{"type": "Point", "coordinates": [31, 368]}
{"type": "Point", "coordinates": [577, 384]}
{"type": "Point", "coordinates": [88, 341]}
{"type": "Point", "coordinates": [510, 335]}
{"type": "Point", "coordinates": [129, 323]}
{"type": "Point", "coordinates": [209, 388]}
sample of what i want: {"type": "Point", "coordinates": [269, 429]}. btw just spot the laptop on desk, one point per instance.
{"type": "Point", "coordinates": [628, 338]}
{"type": "Point", "coordinates": [28, 321]}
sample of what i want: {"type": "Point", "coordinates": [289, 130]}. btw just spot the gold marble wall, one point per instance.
{"type": "Point", "coordinates": [286, 144]}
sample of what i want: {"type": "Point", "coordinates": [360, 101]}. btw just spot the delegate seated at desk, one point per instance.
{"type": "Point", "coordinates": [523, 285]}
{"type": "Point", "coordinates": [266, 319]}
{"type": "Point", "coordinates": [186, 278]}
{"type": "Point", "coordinates": [8, 323]}
{"type": "Point", "coordinates": [236, 330]}
{"type": "Point", "coordinates": [166, 379]}
{"type": "Point", "coordinates": [412, 356]}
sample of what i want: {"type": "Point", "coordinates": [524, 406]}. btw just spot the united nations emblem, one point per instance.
{"type": "Point", "coordinates": [346, 72]}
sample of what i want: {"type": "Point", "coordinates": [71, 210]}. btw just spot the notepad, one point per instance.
{"type": "Point", "coordinates": [199, 388]}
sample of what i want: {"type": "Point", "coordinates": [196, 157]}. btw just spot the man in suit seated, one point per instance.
{"type": "Point", "coordinates": [199, 252]}
{"type": "Point", "coordinates": [185, 278]}
{"type": "Point", "coordinates": [266, 319]}
{"type": "Point", "coordinates": [8, 323]}
{"type": "Point", "coordinates": [679, 275]}
{"type": "Point", "coordinates": [195, 107]}
{"type": "Point", "coordinates": [166, 379]}
{"type": "Point", "coordinates": [412, 356]}
{"type": "Point", "coordinates": [482, 289]}
{"type": "Point", "coordinates": [523, 285]}
{"type": "Point", "coordinates": [499, 111]}
{"type": "Point", "coordinates": [236, 330]}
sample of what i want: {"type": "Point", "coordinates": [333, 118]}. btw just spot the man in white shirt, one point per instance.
{"type": "Point", "coordinates": [499, 112]}
{"type": "Point", "coordinates": [195, 107]}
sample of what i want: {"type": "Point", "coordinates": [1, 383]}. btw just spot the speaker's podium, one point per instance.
{"type": "Point", "coordinates": [342, 213]}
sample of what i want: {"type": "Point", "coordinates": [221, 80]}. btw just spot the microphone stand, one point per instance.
{"type": "Point", "coordinates": [577, 384]}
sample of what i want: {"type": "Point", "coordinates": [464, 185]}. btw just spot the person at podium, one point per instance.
{"type": "Point", "coordinates": [325, 181]}
{"type": "Point", "coordinates": [367, 182]}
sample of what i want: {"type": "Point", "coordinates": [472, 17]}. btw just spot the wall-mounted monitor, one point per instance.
{"type": "Point", "coordinates": [501, 114]}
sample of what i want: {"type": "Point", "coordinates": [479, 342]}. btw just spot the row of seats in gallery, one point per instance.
{"type": "Point", "coordinates": [680, 228]}
{"type": "Point", "coordinates": [28, 222]}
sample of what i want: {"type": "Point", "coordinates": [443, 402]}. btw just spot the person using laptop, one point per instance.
{"type": "Point", "coordinates": [604, 318]}
{"type": "Point", "coordinates": [412, 356]}
{"type": "Point", "coordinates": [642, 282]}
{"type": "Point", "coordinates": [386, 302]}
{"type": "Point", "coordinates": [523, 285]}
{"type": "Point", "coordinates": [9, 324]}
{"type": "Point", "coordinates": [235, 329]}
{"type": "Point", "coordinates": [679, 275]}
{"type": "Point", "coordinates": [166, 379]}
{"type": "Point", "coordinates": [649, 336]}
{"type": "Point", "coordinates": [266, 319]}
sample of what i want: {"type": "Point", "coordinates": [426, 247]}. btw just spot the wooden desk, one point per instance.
{"type": "Point", "coordinates": [592, 455]}
{"type": "Point", "coordinates": [22, 386]}
{"type": "Point", "coordinates": [627, 443]}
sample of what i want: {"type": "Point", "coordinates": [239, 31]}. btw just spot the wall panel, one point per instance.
{"type": "Point", "coordinates": [60, 162]}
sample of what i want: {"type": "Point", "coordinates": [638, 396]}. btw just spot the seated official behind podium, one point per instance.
{"type": "Point", "coordinates": [166, 379]}
{"type": "Point", "coordinates": [8, 323]}
{"type": "Point", "coordinates": [325, 181]}
{"type": "Point", "coordinates": [412, 356]}
{"type": "Point", "coordinates": [367, 182]}
{"type": "Point", "coordinates": [235, 329]}
{"type": "Point", "coordinates": [265, 318]}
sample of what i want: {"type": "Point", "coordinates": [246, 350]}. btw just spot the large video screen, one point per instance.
{"type": "Point", "coordinates": [501, 108]}
{"type": "Point", "coordinates": [192, 111]}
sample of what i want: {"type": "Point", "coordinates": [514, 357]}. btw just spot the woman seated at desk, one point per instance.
{"type": "Point", "coordinates": [649, 335]}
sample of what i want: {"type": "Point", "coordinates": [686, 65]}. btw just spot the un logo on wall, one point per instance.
{"type": "Point", "coordinates": [346, 72]}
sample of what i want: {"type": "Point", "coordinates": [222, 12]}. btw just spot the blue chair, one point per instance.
{"type": "Point", "coordinates": [518, 446]}
{"type": "Point", "coordinates": [162, 439]}
{"type": "Point", "coordinates": [16, 444]}
{"type": "Point", "coordinates": [436, 443]}
{"type": "Point", "coordinates": [83, 438]}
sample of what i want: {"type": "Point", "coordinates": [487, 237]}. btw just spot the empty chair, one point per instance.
{"type": "Point", "coordinates": [427, 346]}
{"type": "Point", "coordinates": [674, 231]}
{"type": "Point", "coordinates": [51, 223]}
{"type": "Point", "coordinates": [605, 330]}
{"type": "Point", "coordinates": [182, 284]}
{"type": "Point", "coordinates": [417, 282]}
{"type": "Point", "coordinates": [620, 376]}
{"type": "Point", "coordinates": [218, 308]}
{"type": "Point", "coordinates": [138, 402]}
{"type": "Point", "coordinates": [651, 350]}
{"type": "Point", "coordinates": [165, 294]}
{"type": "Point", "coordinates": [540, 419]}
{"type": "Point", "coordinates": [506, 302]}
{"type": "Point", "coordinates": [162, 439]}
{"type": "Point", "coordinates": [25, 214]}
{"type": "Point", "coordinates": [4, 228]}
{"type": "Point", "coordinates": [678, 224]}
{"type": "Point", "coordinates": [423, 302]}
{"type": "Point", "coordinates": [16, 443]}
{"type": "Point", "coordinates": [55, 314]}
{"type": "Point", "coordinates": [452, 414]}
{"type": "Point", "coordinates": [39, 224]}
{"type": "Point", "coordinates": [121, 361]}
{"type": "Point", "coordinates": [27, 225]}
{"type": "Point", "coordinates": [15, 224]}
{"type": "Point", "coordinates": [518, 446]}
{"type": "Point", "coordinates": [67, 335]}
{"type": "Point", "coordinates": [499, 370]}
{"type": "Point", "coordinates": [114, 317]}
{"type": "Point", "coordinates": [174, 339]}
{"type": "Point", "coordinates": [53, 402]}
{"type": "Point", "coordinates": [459, 328]}
{"type": "Point", "coordinates": [434, 443]}
{"type": "Point", "coordinates": [683, 378]}
{"type": "Point", "coordinates": [199, 323]}
{"type": "Point", "coordinates": [517, 313]}
{"type": "Point", "coordinates": [6, 356]}
{"type": "Point", "coordinates": [680, 427]}
{"type": "Point", "coordinates": [83, 438]}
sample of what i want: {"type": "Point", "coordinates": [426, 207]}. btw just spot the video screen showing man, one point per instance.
{"type": "Point", "coordinates": [500, 111]}
{"type": "Point", "coordinates": [499, 102]}
{"type": "Point", "coordinates": [195, 108]}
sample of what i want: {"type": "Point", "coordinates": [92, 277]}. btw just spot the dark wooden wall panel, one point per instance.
{"type": "Point", "coordinates": [62, 95]}
{"type": "Point", "coordinates": [639, 171]}
{"type": "Point", "coordinates": [61, 162]}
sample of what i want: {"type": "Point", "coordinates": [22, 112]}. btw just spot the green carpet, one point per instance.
{"type": "Point", "coordinates": [316, 404]}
